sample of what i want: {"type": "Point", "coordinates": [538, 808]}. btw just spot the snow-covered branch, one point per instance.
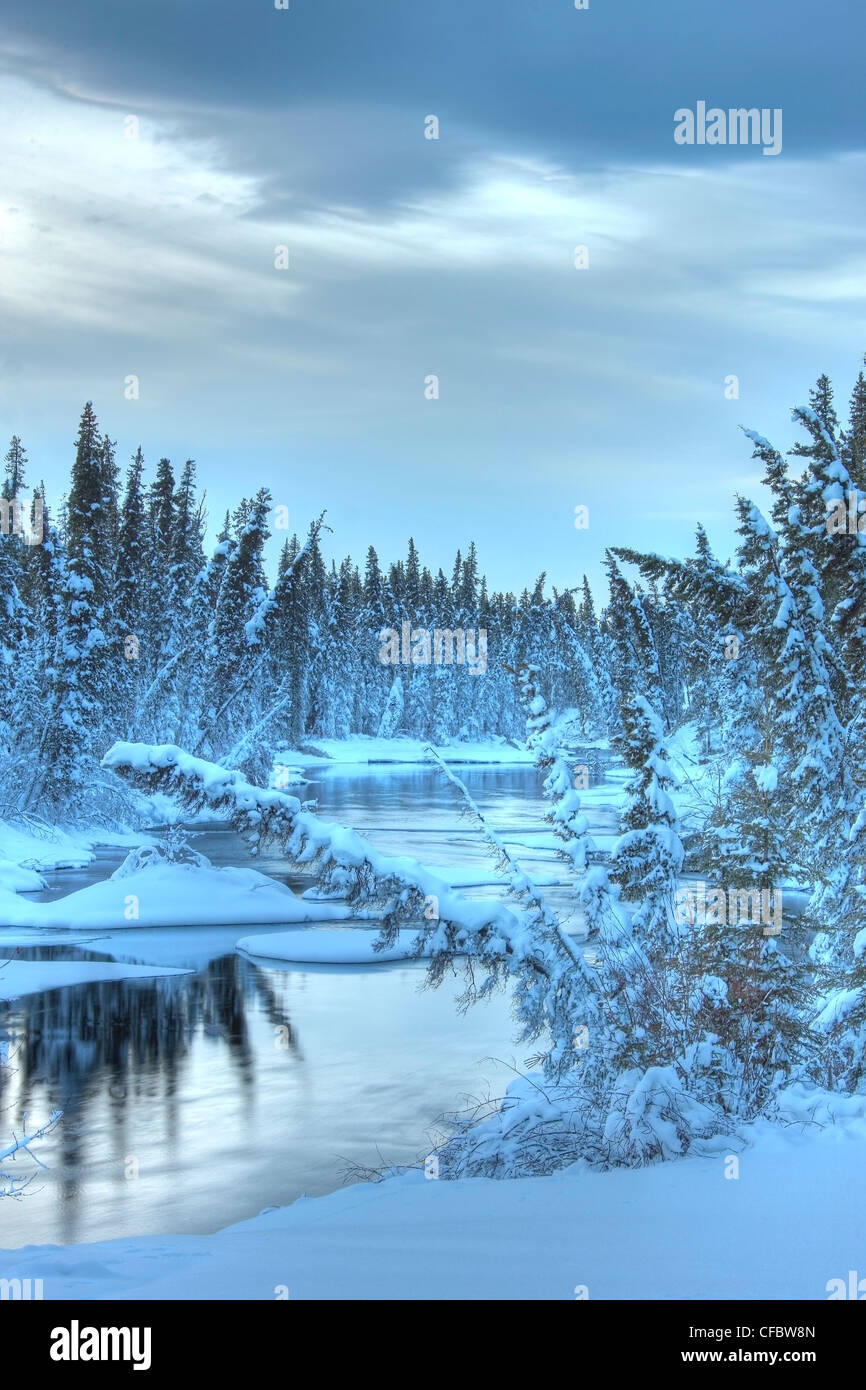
{"type": "Point", "coordinates": [504, 942]}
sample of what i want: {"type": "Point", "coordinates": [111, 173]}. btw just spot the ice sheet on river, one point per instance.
{"type": "Point", "coordinates": [20, 977]}
{"type": "Point", "coordinates": [329, 946]}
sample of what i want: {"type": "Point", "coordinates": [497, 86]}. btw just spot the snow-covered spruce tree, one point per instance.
{"type": "Point", "coordinates": [854, 441]}
{"type": "Point", "coordinates": [647, 859]}
{"type": "Point", "coordinates": [808, 736]}
{"type": "Point", "coordinates": [634, 663]}
{"type": "Point", "coordinates": [742, 839]}
{"type": "Point", "coordinates": [160, 512]}
{"type": "Point", "coordinates": [822, 407]}
{"type": "Point", "coordinates": [721, 677]}
{"type": "Point", "coordinates": [343, 655]}
{"type": "Point", "coordinates": [45, 590]}
{"type": "Point", "coordinates": [391, 721]}
{"type": "Point", "coordinates": [571, 671]}
{"type": "Point", "coordinates": [783, 799]}
{"type": "Point", "coordinates": [336, 672]}
{"type": "Point", "coordinates": [704, 1020]}
{"type": "Point", "coordinates": [187, 571]}
{"type": "Point", "coordinates": [12, 661]}
{"type": "Point", "coordinates": [131, 586]}
{"type": "Point", "coordinates": [711, 602]}
{"type": "Point", "coordinates": [822, 563]}
{"type": "Point", "coordinates": [650, 1067]}
{"type": "Point", "coordinates": [569, 824]}
{"type": "Point", "coordinates": [590, 638]}
{"type": "Point", "coordinates": [713, 1010]}
{"type": "Point", "coordinates": [443, 714]}
{"type": "Point", "coordinates": [234, 656]}
{"type": "Point", "coordinates": [314, 581]}
{"type": "Point", "coordinates": [16, 670]}
{"type": "Point", "coordinates": [744, 995]}
{"type": "Point", "coordinates": [646, 957]}
{"type": "Point", "coordinates": [839, 955]}
{"type": "Point", "coordinates": [281, 629]}
{"type": "Point", "coordinates": [15, 468]}
{"type": "Point", "coordinates": [70, 782]}
{"type": "Point", "coordinates": [19, 521]}
{"type": "Point", "coordinates": [780, 797]}
{"type": "Point", "coordinates": [375, 682]}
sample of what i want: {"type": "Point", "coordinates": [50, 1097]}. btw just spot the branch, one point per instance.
{"type": "Point", "coordinates": [507, 944]}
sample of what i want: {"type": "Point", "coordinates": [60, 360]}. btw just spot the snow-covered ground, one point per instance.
{"type": "Point", "coordinates": [25, 853]}
{"type": "Point", "coordinates": [793, 1220]}
{"type": "Point", "coordinates": [172, 895]}
{"type": "Point", "coordinates": [365, 749]}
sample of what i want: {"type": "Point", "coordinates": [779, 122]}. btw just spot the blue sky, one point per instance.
{"type": "Point", "coordinates": [154, 256]}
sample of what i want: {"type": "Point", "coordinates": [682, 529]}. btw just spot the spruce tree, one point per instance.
{"type": "Point", "coordinates": [854, 449]}
{"type": "Point", "coordinates": [131, 591]}
{"type": "Point", "coordinates": [82, 662]}
{"type": "Point", "coordinates": [236, 655]}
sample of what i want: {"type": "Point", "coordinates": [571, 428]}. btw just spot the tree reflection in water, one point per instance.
{"type": "Point", "coordinates": [127, 1037]}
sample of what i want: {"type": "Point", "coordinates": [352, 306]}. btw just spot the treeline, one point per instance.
{"type": "Point", "coordinates": [119, 626]}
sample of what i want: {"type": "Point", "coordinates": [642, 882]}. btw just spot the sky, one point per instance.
{"type": "Point", "coordinates": [156, 155]}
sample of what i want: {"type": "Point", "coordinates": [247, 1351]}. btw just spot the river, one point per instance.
{"type": "Point", "coordinates": [191, 1102]}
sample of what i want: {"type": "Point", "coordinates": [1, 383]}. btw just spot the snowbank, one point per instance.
{"type": "Point", "coordinates": [15, 879]}
{"type": "Point", "coordinates": [366, 749]}
{"type": "Point", "coordinates": [50, 847]}
{"type": "Point", "coordinates": [677, 1230]}
{"type": "Point", "coordinates": [172, 895]}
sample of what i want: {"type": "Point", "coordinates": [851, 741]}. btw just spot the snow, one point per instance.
{"type": "Point", "coordinates": [20, 977]}
{"type": "Point", "coordinates": [172, 895]}
{"type": "Point", "coordinates": [466, 876]}
{"type": "Point", "coordinates": [767, 777]}
{"type": "Point", "coordinates": [325, 946]}
{"type": "Point", "coordinates": [366, 749]}
{"type": "Point", "coordinates": [15, 879]}
{"type": "Point", "coordinates": [43, 848]}
{"type": "Point", "coordinates": [674, 1230]}
{"type": "Point", "coordinates": [257, 811]}
{"type": "Point", "coordinates": [836, 1008]}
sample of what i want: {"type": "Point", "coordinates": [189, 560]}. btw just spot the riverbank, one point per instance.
{"type": "Point", "coordinates": [792, 1220]}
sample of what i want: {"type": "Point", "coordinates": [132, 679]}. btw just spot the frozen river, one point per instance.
{"type": "Point", "coordinates": [194, 1101]}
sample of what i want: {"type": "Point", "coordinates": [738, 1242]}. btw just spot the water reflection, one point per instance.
{"type": "Point", "coordinates": [117, 1030]}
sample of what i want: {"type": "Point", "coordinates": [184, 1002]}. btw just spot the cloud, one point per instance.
{"type": "Point", "coordinates": [155, 256]}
